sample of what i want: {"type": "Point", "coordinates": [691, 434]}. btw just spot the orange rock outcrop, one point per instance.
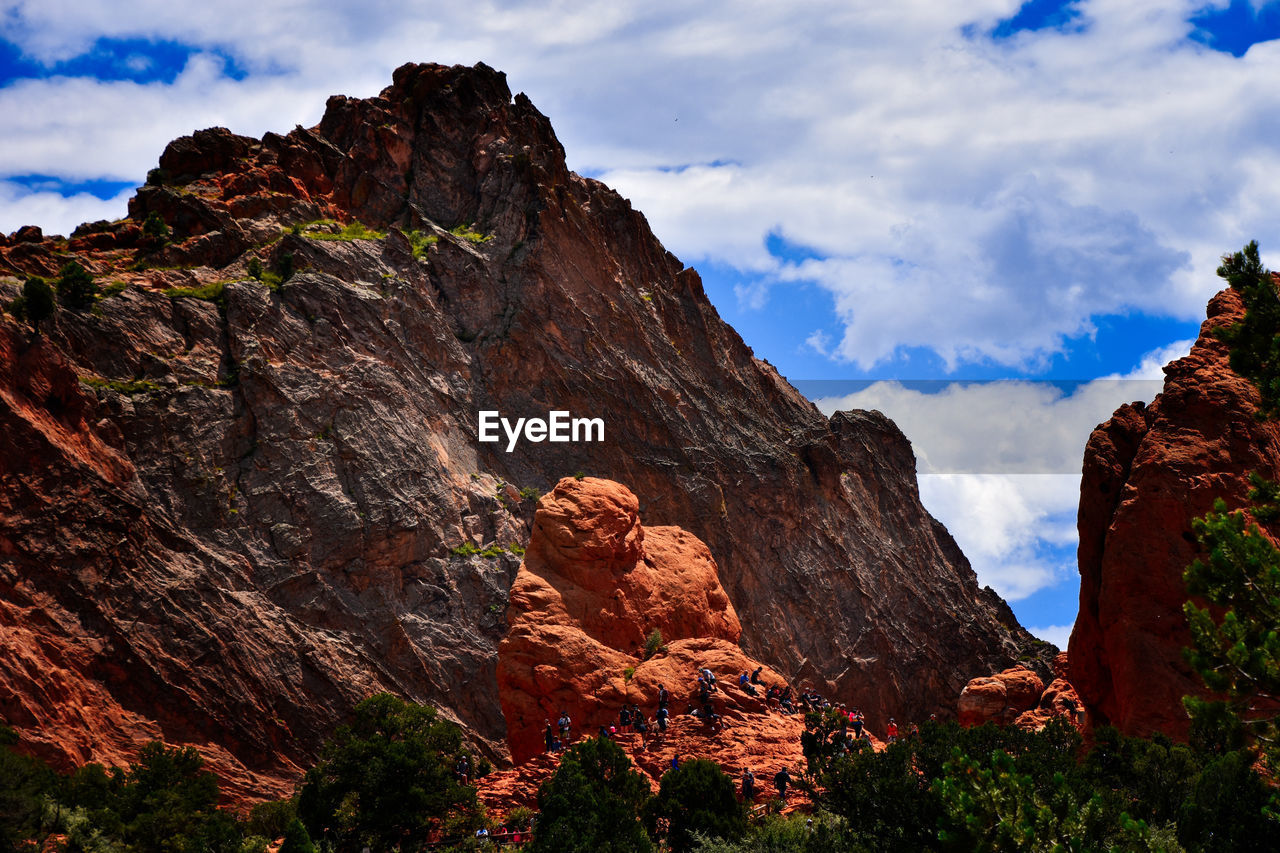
{"type": "Point", "coordinates": [593, 586]}
{"type": "Point", "coordinates": [1017, 696]}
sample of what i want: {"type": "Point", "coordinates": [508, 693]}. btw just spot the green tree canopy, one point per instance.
{"type": "Point", "coordinates": [38, 301]}
{"type": "Point", "coordinates": [592, 804]}
{"type": "Point", "coordinates": [1255, 340]}
{"type": "Point", "coordinates": [1236, 645]}
{"type": "Point", "coordinates": [387, 779]}
{"type": "Point", "coordinates": [697, 797]}
{"type": "Point", "coordinates": [76, 286]}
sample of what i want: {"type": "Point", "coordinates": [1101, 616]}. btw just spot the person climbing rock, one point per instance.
{"type": "Point", "coordinates": [857, 723]}
{"type": "Point", "coordinates": [892, 731]}
{"type": "Point", "coordinates": [663, 696]}
{"type": "Point", "coordinates": [624, 717]}
{"type": "Point", "coordinates": [781, 780]}
{"type": "Point", "coordinates": [755, 675]}
{"type": "Point", "coordinates": [662, 716]}
{"type": "Point", "coordinates": [748, 786]}
{"type": "Point", "coordinates": [549, 737]}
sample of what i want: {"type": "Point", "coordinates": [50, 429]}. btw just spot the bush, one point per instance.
{"type": "Point", "coordinates": [76, 287]}
{"type": "Point", "coordinates": [592, 803]}
{"type": "Point", "coordinates": [1255, 340]}
{"type": "Point", "coordinates": [38, 302]}
{"type": "Point", "coordinates": [155, 227]}
{"type": "Point", "coordinates": [296, 839]}
{"type": "Point", "coordinates": [421, 243]}
{"type": "Point", "coordinates": [272, 818]}
{"type": "Point", "coordinates": [698, 797]}
{"type": "Point", "coordinates": [387, 780]}
{"type": "Point", "coordinates": [653, 644]}
{"type": "Point", "coordinates": [466, 232]}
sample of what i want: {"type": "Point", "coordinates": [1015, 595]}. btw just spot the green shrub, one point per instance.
{"type": "Point", "coordinates": [76, 287]}
{"type": "Point", "coordinates": [212, 292]}
{"type": "Point", "coordinates": [1255, 340]}
{"type": "Point", "coordinates": [466, 232]}
{"type": "Point", "coordinates": [653, 644]}
{"type": "Point", "coordinates": [466, 549]}
{"type": "Point", "coordinates": [254, 267]}
{"type": "Point", "coordinates": [115, 288]}
{"type": "Point", "coordinates": [697, 797]}
{"type": "Point", "coordinates": [421, 243]}
{"type": "Point", "coordinates": [296, 839]}
{"type": "Point", "coordinates": [628, 673]}
{"type": "Point", "coordinates": [386, 780]}
{"type": "Point", "coordinates": [272, 818]}
{"type": "Point", "coordinates": [354, 231]}
{"type": "Point", "coordinates": [592, 803]}
{"type": "Point", "coordinates": [38, 303]}
{"type": "Point", "coordinates": [529, 493]}
{"type": "Point", "coordinates": [155, 227]}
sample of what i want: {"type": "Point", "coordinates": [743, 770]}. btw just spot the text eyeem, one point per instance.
{"type": "Point", "coordinates": [559, 426]}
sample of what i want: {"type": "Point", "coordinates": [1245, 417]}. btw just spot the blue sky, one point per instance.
{"type": "Point", "coordinates": [927, 190]}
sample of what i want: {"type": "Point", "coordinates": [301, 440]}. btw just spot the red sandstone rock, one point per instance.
{"type": "Point", "coordinates": [1147, 473]}
{"type": "Point", "coordinates": [1000, 698]}
{"type": "Point", "coordinates": [1017, 696]}
{"type": "Point", "coordinates": [593, 585]}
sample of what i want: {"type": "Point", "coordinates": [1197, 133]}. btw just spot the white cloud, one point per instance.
{"type": "Point", "coordinates": [982, 199]}
{"type": "Point", "coordinates": [57, 214]}
{"type": "Point", "coordinates": [1059, 635]}
{"type": "Point", "coordinates": [1000, 462]}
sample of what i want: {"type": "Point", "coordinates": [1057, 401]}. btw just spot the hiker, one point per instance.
{"type": "Point", "coordinates": [755, 676]}
{"type": "Point", "coordinates": [564, 725]}
{"type": "Point", "coordinates": [857, 723]}
{"type": "Point", "coordinates": [603, 733]}
{"type": "Point", "coordinates": [780, 781]}
{"type": "Point", "coordinates": [663, 713]}
{"type": "Point", "coordinates": [748, 786]}
{"type": "Point", "coordinates": [892, 731]}
{"type": "Point", "coordinates": [785, 701]}
{"type": "Point", "coordinates": [663, 696]}
{"type": "Point", "coordinates": [675, 762]}
{"type": "Point", "coordinates": [549, 737]}
{"type": "Point", "coordinates": [624, 717]}
{"type": "Point", "coordinates": [914, 732]}
{"type": "Point", "coordinates": [463, 770]}
{"type": "Point", "coordinates": [642, 727]}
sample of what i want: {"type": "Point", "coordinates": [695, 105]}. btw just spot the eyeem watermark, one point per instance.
{"type": "Point", "coordinates": [559, 426]}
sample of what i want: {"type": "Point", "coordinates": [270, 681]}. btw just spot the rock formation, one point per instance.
{"type": "Point", "coordinates": [593, 586]}
{"type": "Point", "coordinates": [1018, 697]}
{"type": "Point", "coordinates": [235, 502]}
{"type": "Point", "coordinates": [595, 583]}
{"type": "Point", "coordinates": [1148, 472]}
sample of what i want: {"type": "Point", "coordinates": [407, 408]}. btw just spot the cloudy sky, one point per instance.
{"type": "Point", "coordinates": [930, 190]}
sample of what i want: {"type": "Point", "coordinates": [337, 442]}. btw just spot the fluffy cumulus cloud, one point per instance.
{"type": "Point", "coordinates": [1000, 462]}
{"type": "Point", "coordinates": [983, 195]}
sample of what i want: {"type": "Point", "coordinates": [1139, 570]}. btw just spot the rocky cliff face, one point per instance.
{"type": "Point", "coordinates": [1147, 473]}
{"type": "Point", "coordinates": [232, 510]}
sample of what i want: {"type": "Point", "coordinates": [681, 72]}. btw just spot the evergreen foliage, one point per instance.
{"type": "Point", "coordinates": [38, 302]}
{"type": "Point", "coordinates": [695, 798]}
{"type": "Point", "coordinates": [76, 286]}
{"type": "Point", "coordinates": [592, 804]}
{"type": "Point", "coordinates": [1236, 644]}
{"type": "Point", "coordinates": [387, 780]}
{"type": "Point", "coordinates": [1255, 340]}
